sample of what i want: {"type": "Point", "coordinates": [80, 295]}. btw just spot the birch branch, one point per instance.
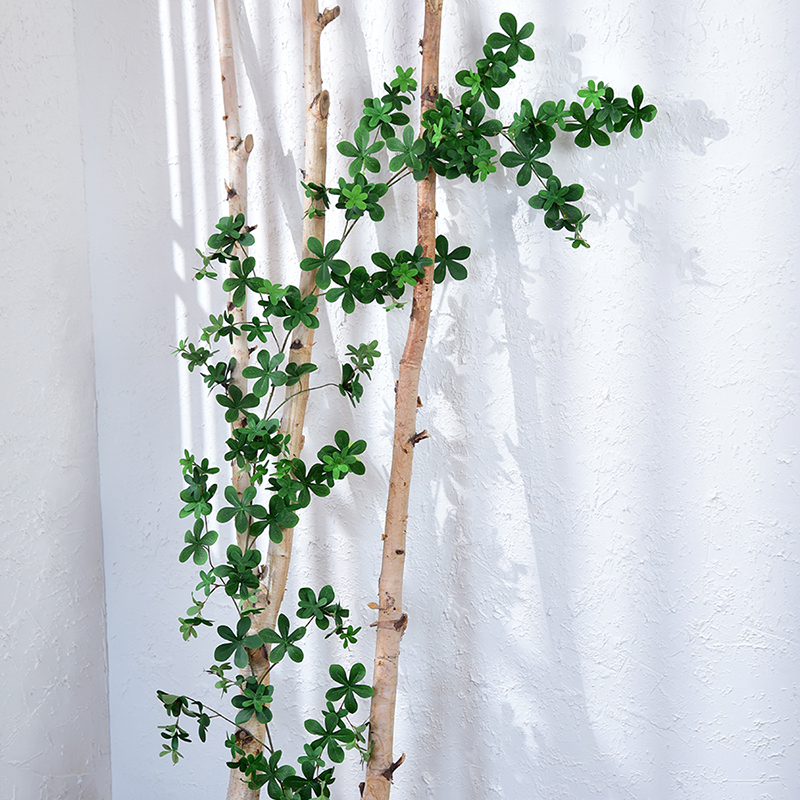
{"type": "Point", "coordinates": [392, 620]}
{"type": "Point", "coordinates": [276, 568]}
{"type": "Point", "coordinates": [236, 187]}
{"type": "Point", "coordinates": [317, 105]}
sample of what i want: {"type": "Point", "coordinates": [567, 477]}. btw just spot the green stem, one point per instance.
{"type": "Point", "coordinates": [310, 389]}
{"type": "Point", "coordinates": [544, 185]}
{"type": "Point", "coordinates": [228, 719]}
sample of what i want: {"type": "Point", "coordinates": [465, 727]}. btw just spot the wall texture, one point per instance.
{"type": "Point", "coordinates": [54, 729]}
{"type": "Point", "coordinates": [603, 559]}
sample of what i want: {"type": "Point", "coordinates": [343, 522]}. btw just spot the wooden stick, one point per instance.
{"type": "Point", "coordinates": [236, 187]}
{"type": "Point", "coordinates": [317, 104]}
{"type": "Point", "coordinates": [392, 620]}
{"type": "Point", "coordinates": [276, 569]}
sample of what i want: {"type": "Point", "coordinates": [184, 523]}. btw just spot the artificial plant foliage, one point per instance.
{"type": "Point", "coordinates": [457, 137]}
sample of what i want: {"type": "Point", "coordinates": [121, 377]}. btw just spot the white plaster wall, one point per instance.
{"type": "Point", "coordinates": [603, 560]}
{"type": "Point", "coordinates": [54, 726]}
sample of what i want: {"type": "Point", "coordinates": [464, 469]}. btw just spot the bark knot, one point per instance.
{"type": "Point", "coordinates": [389, 771]}
{"type": "Point", "coordinates": [430, 93]}
{"type": "Point", "coordinates": [320, 106]}
{"type": "Point", "coordinates": [418, 437]}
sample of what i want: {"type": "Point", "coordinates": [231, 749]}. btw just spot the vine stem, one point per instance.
{"type": "Point", "coordinates": [232, 722]}
{"type": "Point", "coordinates": [541, 180]}
{"type": "Point", "coordinates": [303, 391]}
{"type": "Point", "coordinates": [391, 618]}
{"type": "Point", "coordinates": [351, 223]}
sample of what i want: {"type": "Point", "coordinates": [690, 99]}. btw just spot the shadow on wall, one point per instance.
{"type": "Point", "coordinates": [281, 163]}
{"type": "Point", "coordinates": [497, 584]}
{"type": "Point", "coordinates": [617, 170]}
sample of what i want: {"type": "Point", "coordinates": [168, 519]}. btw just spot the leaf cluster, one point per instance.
{"type": "Point", "coordinates": [331, 733]}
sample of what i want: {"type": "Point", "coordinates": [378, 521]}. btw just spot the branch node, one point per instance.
{"type": "Point", "coordinates": [430, 93]}
{"type": "Point", "coordinates": [328, 15]}
{"type": "Point", "coordinates": [387, 773]}
{"type": "Point", "coordinates": [418, 437]}
{"type": "Point", "coordinates": [243, 736]}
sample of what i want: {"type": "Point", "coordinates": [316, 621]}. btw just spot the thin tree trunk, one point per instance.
{"type": "Point", "coordinates": [392, 619]}
{"type": "Point", "coordinates": [317, 104]}
{"type": "Point", "coordinates": [238, 152]}
{"type": "Point", "coordinates": [275, 571]}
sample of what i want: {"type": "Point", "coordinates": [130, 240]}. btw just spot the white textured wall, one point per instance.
{"type": "Point", "coordinates": [602, 571]}
{"type": "Point", "coordinates": [54, 724]}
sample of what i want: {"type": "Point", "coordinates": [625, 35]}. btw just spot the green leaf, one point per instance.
{"type": "Point", "coordinates": [236, 402]}
{"type": "Point", "coordinates": [198, 543]}
{"type": "Point", "coordinates": [320, 609]}
{"type": "Point", "coordinates": [637, 114]}
{"type": "Point", "coordinates": [234, 643]}
{"type": "Point", "coordinates": [593, 94]}
{"type": "Point", "coordinates": [513, 39]}
{"type": "Point", "coordinates": [362, 151]}
{"type": "Point", "coordinates": [330, 735]}
{"type": "Point", "coordinates": [589, 129]}
{"type": "Point", "coordinates": [239, 574]}
{"type": "Point", "coordinates": [449, 261]}
{"type": "Point", "coordinates": [278, 517]}
{"type": "Point", "coordinates": [350, 687]}
{"type": "Point", "coordinates": [404, 82]}
{"type": "Point", "coordinates": [409, 149]}
{"type": "Point", "coordinates": [241, 280]}
{"type": "Point", "coordinates": [241, 508]}
{"type": "Point", "coordinates": [266, 374]}
{"type": "Point", "coordinates": [283, 641]}
{"type": "Point", "coordinates": [324, 263]}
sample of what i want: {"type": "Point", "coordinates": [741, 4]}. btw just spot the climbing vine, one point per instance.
{"type": "Point", "coordinates": [457, 137]}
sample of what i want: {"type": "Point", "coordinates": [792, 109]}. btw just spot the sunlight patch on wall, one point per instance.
{"type": "Point", "coordinates": [171, 113]}
{"type": "Point", "coordinates": [184, 378]}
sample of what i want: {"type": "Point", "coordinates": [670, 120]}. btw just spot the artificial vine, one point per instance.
{"type": "Point", "coordinates": [457, 138]}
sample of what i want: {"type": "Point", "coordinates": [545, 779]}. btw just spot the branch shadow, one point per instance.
{"type": "Point", "coordinates": [556, 732]}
